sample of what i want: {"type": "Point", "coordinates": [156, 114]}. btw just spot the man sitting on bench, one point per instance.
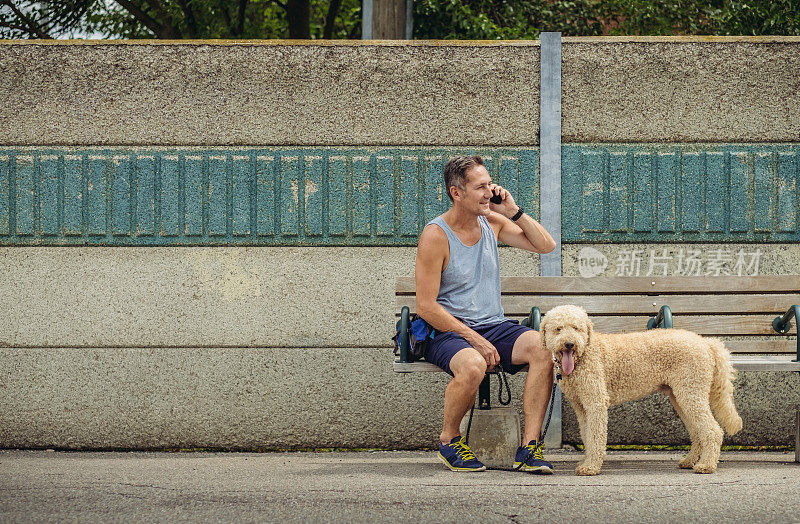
{"type": "Point", "coordinates": [458, 293]}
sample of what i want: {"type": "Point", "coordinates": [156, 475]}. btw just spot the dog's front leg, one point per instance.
{"type": "Point", "coordinates": [595, 436]}
{"type": "Point", "coordinates": [580, 414]}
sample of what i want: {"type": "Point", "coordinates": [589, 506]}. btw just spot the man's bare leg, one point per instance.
{"type": "Point", "coordinates": [469, 368]}
{"type": "Point", "coordinates": [538, 384]}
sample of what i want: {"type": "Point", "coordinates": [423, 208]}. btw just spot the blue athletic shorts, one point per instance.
{"type": "Point", "coordinates": [502, 336]}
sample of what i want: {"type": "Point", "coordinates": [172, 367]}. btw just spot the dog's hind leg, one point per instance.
{"type": "Point", "coordinates": [694, 453]}
{"type": "Point", "coordinates": [722, 389]}
{"type": "Point", "coordinates": [703, 427]}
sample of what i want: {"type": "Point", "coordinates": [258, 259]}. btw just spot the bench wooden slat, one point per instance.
{"type": "Point", "coordinates": [639, 304]}
{"type": "Point", "coordinates": [762, 346]}
{"type": "Point", "coordinates": [783, 284]}
{"type": "Point", "coordinates": [730, 325]}
{"type": "Point", "coordinates": [415, 367]}
{"type": "Point", "coordinates": [740, 362]}
{"type": "Point", "coordinates": [765, 363]}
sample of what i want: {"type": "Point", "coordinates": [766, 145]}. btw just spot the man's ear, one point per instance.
{"type": "Point", "coordinates": [454, 192]}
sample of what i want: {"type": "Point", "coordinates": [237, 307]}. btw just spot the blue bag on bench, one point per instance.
{"type": "Point", "coordinates": [420, 336]}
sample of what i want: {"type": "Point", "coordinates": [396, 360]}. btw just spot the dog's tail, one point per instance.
{"type": "Point", "coordinates": [722, 388]}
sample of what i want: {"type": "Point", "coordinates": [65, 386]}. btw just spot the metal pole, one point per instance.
{"type": "Point", "coordinates": [366, 20]}
{"type": "Point", "coordinates": [550, 173]}
{"type": "Point", "coordinates": [409, 19]}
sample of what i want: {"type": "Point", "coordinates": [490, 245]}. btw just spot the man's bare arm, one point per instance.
{"type": "Point", "coordinates": [526, 233]}
{"type": "Point", "coordinates": [431, 253]}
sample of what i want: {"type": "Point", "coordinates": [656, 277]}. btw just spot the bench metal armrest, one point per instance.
{"type": "Point", "coordinates": [664, 317]}
{"type": "Point", "coordinates": [784, 323]}
{"type": "Point", "coordinates": [404, 324]}
{"type": "Point", "coordinates": [534, 319]}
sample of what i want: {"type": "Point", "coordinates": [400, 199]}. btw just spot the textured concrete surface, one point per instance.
{"type": "Point", "coordinates": [276, 297]}
{"type": "Point", "coordinates": [420, 93]}
{"type": "Point", "coordinates": [681, 89]}
{"type": "Point", "coordinates": [387, 486]}
{"type": "Point", "coordinates": [251, 398]}
{"type": "Point", "coordinates": [269, 93]}
{"type": "Point", "coordinates": [223, 398]}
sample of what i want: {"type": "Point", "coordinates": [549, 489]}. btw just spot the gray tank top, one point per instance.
{"type": "Point", "coordinates": [470, 287]}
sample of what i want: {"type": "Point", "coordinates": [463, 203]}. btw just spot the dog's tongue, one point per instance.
{"type": "Point", "coordinates": [567, 362]}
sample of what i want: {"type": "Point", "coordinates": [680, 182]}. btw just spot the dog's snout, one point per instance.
{"type": "Point", "coordinates": [569, 345]}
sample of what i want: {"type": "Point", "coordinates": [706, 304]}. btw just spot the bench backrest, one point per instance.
{"type": "Point", "coordinates": [739, 307]}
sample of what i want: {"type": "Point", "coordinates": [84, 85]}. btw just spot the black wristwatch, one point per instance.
{"type": "Point", "coordinates": [519, 214]}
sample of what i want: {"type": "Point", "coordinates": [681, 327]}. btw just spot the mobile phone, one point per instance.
{"type": "Point", "coordinates": [496, 199]}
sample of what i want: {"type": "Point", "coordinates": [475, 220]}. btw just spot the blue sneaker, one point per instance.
{"type": "Point", "coordinates": [529, 458]}
{"type": "Point", "coordinates": [458, 457]}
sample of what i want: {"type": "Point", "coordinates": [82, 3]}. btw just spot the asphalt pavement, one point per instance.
{"type": "Point", "coordinates": [42, 486]}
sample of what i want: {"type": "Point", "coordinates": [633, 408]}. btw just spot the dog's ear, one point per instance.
{"type": "Point", "coordinates": [589, 331]}
{"type": "Point", "coordinates": [542, 327]}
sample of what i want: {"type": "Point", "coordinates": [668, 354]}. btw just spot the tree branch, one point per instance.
{"type": "Point", "coordinates": [223, 6]}
{"type": "Point", "coordinates": [333, 8]}
{"type": "Point", "coordinates": [190, 19]}
{"type": "Point", "coordinates": [159, 8]}
{"type": "Point", "coordinates": [158, 29]}
{"type": "Point", "coordinates": [240, 26]}
{"type": "Point", "coordinates": [32, 28]}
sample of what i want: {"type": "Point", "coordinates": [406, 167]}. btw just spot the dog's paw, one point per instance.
{"type": "Point", "coordinates": [687, 463]}
{"type": "Point", "coordinates": [585, 470]}
{"type": "Point", "coordinates": [704, 468]}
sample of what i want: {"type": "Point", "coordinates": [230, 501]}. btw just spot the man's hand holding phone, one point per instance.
{"type": "Point", "coordinates": [502, 202]}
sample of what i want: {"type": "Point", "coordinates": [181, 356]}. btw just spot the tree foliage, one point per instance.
{"type": "Point", "coordinates": [440, 19]}
{"type": "Point", "coordinates": [504, 19]}
{"type": "Point", "coordinates": [181, 18]}
{"type": "Point", "coordinates": [512, 19]}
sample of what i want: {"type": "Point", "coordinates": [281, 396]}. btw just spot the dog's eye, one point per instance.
{"type": "Point", "coordinates": [558, 330]}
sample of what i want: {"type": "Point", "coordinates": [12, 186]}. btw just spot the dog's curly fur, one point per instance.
{"type": "Point", "coordinates": [608, 369]}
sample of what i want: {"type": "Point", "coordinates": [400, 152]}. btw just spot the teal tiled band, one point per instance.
{"type": "Point", "coordinates": [681, 193]}
{"type": "Point", "coordinates": [309, 196]}
{"type": "Point", "coordinates": [337, 196]}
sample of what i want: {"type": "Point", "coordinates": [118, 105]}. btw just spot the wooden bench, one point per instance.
{"type": "Point", "coordinates": [753, 314]}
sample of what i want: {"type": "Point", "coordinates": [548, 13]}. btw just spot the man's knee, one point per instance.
{"type": "Point", "coordinates": [527, 345]}
{"type": "Point", "coordinates": [536, 356]}
{"type": "Point", "coordinates": [468, 365]}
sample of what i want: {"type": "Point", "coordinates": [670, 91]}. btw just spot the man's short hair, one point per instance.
{"type": "Point", "coordinates": [455, 171]}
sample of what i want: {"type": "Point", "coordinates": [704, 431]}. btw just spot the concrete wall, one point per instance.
{"type": "Point", "coordinates": [269, 93]}
{"type": "Point", "coordinates": [288, 346]}
{"type": "Point", "coordinates": [211, 347]}
{"type": "Point", "coordinates": [690, 89]}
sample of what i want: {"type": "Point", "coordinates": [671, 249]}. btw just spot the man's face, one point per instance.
{"type": "Point", "coordinates": [476, 194]}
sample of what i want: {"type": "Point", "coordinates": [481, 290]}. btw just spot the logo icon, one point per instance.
{"type": "Point", "coordinates": [591, 262]}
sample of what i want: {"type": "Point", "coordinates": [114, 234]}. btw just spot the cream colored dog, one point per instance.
{"type": "Point", "coordinates": [601, 370]}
